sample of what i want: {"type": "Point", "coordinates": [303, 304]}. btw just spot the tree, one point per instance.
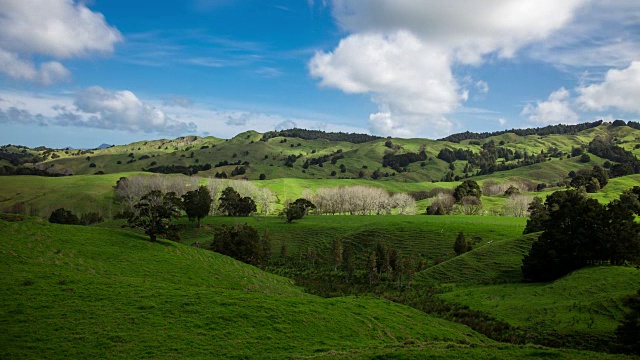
{"type": "Point", "coordinates": [628, 332]}
{"type": "Point", "coordinates": [442, 204]}
{"type": "Point", "coordinates": [409, 268]}
{"type": "Point", "coordinates": [467, 188]}
{"type": "Point", "coordinates": [233, 204]}
{"type": "Point", "coordinates": [63, 216]}
{"type": "Point", "coordinates": [197, 203]}
{"type": "Point", "coordinates": [298, 209]}
{"type": "Point", "coordinates": [585, 158]}
{"type": "Point", "coordinates": [336, 253]}
{"type": "Point", "coordinates": [538, 214]}
{"type": "Point", "coordinates": [372, 267]}
{"type": "Point", "coordinates": [283, 250]}
{"type": "Point", "coordinates": [349, 263]}
{"type": "Point", "coordinates": [154, 212]}
{"type": "Point", "coordinates": [461, 245]}
{"type": "Point", "coordinates": [471, 205]}
{"type": "Point", "coordinates": [242, 242]}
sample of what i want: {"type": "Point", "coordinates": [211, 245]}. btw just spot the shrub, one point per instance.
{"type": "Point", "coordinates": [63, 216]}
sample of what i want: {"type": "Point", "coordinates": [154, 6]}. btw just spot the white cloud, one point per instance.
{"type": "Point", "coordinates": [620, 90]}
{"type": "Point", "coordinates": [93, 107]}
{"type": "Point", "coordinates": [402, 53]}
{"type": "Point", "coordinates": [603, 33]}
{"type": "Point", "coordinates": [557, 109]}
{"type": "Point", "coordinates": [54, 29]}
{"type": "Point", "coordinates": [502, 122]}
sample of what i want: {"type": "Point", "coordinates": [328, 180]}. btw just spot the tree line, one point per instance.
{"type": "Point", "coordinates": [318, 134]}
{"type": "Point", "coordinates": [541, 131]}
{"type": "Point", "coordinates": [359, 200]}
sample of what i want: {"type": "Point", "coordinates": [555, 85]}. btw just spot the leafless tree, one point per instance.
{"type": "Point", "coordinates": [518, 205]}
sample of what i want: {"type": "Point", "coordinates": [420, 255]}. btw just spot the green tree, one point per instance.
{"type": "Point", "coordinates": [628, 332]}
{"type": "Point", "coordinates": [372, 267]}
{"type": "Point", "coordinates": [197, 203]}
{"type": "Point", "coordinates": [63, 216]}
{"type": "Point", "coordinates": [336, 253]}
{"type": "Point", "coordinates": [467, 188]}
{"type": "Point", "coordinates": [349, 263]}
{"type": "Point", "coordinates": [297, 209]}
{"type": "Point", "coordinates": [241, 242]}
{"type": "Point", "coordinates": [154, 212]}
{"type": "Point", "coordinates": [538, 214]}
{"type": "Point", "coordinates": [461, 245]}
{"type": "Point", "coordinates": [233, 204]}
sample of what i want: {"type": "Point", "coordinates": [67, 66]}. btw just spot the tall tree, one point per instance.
{"type": "Point", "coordinates": [197, 203]}
{"type": "Point", "coordinates": [538, 214]}
{"type": "Point", "coordinates": [372, 267]}
{"type": "Point", "coordinates": [349, 263]}
{"type": "Point", "coordinates": [298, 209]}
{"type": "Point", "coordinates": [336, 253]}
{"type": "Point", "coordinates": [154, 212]}
{"type": "Point", "coordinates": [467, 188]}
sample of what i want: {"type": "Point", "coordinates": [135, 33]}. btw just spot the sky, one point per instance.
{"type": "Point", "coordinates": [85, 72]}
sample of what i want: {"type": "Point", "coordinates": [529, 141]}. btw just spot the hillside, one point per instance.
{"type": "Point", "coordinates": [586, 304]}
{"type": "Point", "coordinates": [317, 155]}
{"type": "Point", "coordinates": [90, 292]}
{"type": "Point", "coordinates": [87, 292]}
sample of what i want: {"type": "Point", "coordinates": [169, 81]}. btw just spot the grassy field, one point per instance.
{"type": "Point", "coordinates": [587, 301]}
{"type": "Point", "coordinates": [89, 292]}
{"type": "Point", "coordinates": [85, 292]}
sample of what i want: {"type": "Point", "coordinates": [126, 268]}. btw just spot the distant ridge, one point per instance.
{"type": "Point", "coordinates": [318, 134]}
{"type": "Point", "coordinates": [104, 146]}
{"type": "Point", "coordinates": [547, 130]}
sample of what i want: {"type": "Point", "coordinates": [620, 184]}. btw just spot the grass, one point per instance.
{"type": "Point", "coordinates": [497, 262]}
{"type": "Point", "coordinates": [86, 292]}
{"type": "Point", "coordinates": [587, 301]}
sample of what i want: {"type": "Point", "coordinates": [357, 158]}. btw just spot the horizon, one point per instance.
{"type": "Point", "coordinates": [117, 73]}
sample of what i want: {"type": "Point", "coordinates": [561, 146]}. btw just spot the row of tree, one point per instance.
{"type": "Point", "coordinates": [359, 200]}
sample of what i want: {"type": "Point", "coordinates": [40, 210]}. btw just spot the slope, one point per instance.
{"type": "Point", "coordinates": [85, 292]}
{"type": "Point", "coordinates": [493, 263]}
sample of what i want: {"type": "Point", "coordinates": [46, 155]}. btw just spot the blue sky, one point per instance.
{"type": "Point", "coordinates": [82, 73]}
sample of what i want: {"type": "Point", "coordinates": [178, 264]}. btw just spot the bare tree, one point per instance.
{"type": "Point", "coordinates": [518, 205]}
{"type": "Point", "coordinates": [471, 205]}
{"type": "Point", "coordinates": [442, 204]}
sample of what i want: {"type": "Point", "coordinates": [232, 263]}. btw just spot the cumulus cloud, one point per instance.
{"type": "Point", "coordinates": [619, 90]}
{"type": "Point", "coordinates": [555, 110]}
{"type": "Point", "coordinates": [96, 107]}
{"type": "Point", "coordinates": [401, 52]}
{"type": "Point", "coordinates": [502, 121]}
{"type": "Point", "coordinates": [54, 30]}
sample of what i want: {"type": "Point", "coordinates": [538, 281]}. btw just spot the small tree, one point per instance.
{"type": "Point", "coordinates": [298, 209]}
{"type": "Point", "coordinates": [153, 213]}
{"type": "Point", "coordinates": [283, 249]}
{"type": "Point", "coordinates": [628, 332]}
{"type": "Point", "coordinates": [63, 216]}
{"type": "Point", "coordinates": [197, 203]}
{"type": "Point", "coordinates": [461, 245]}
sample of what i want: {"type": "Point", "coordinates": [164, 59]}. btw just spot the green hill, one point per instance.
{"type": "Point", "coordinates": [285, 157]}
{"type": "Point", "coordinates": [491, 263]}
{"type": "Point", "coordinates": [586, 303]}
{"type": "Point", "coordinates": [86, 292]}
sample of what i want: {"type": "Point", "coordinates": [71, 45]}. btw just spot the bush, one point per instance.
{"type": "Point", "coordinates": [242, 242]}
{"type": "Point", "coordinates": [63, 216]}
